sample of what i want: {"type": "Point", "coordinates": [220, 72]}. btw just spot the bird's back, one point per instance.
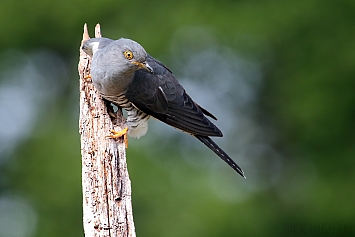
{"type": "Point", "coordinates": [161, 96]}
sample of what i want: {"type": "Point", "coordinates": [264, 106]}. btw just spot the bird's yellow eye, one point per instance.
{"type": "Point", "coordinates": [128, 54]}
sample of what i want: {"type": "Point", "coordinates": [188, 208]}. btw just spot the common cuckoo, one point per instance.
{"type": "Point", "coordinates": [127, 76]}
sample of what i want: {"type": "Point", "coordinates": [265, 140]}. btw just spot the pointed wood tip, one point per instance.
{"type": "Point", "coordinates": [97, 31]}
{"type": "Point", "coordinates": [85, 34]}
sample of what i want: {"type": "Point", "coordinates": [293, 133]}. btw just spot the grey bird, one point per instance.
{"type": "Point", "coordinates": [124, 74]}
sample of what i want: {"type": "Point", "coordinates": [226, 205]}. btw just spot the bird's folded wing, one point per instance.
{"type": "Point", "coordinates": [161, 96]}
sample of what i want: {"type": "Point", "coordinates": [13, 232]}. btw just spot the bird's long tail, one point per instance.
{"type": "Point", "coordinates": [216, 149]}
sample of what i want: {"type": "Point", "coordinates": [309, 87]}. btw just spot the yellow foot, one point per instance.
{"type": "Point", "coordinates": [87, 77]}
{"type": "Point", "coordinates": [122, 133]}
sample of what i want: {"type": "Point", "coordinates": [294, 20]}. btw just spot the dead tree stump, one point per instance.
{"type": "Point", "coordinates": [107, 206]}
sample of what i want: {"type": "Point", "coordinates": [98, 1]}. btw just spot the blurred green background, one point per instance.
{"type": "Point", "coordinates": [279, 75]}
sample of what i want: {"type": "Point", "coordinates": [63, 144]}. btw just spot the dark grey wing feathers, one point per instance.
{"type": "Point", "coordinates": [207, 112]}
{"type": "Point", "coordinates": [161, 102]}
{"type": "Point", "coordinates": [161, 96]}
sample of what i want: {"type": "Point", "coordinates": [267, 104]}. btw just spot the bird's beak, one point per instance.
{"type": "Point", "coordinates": [144, 65]}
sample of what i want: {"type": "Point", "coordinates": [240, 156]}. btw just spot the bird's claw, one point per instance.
{"type": "Point", "coordinates": [87, 77]}
{"type": "Point", "coordinates": [117, 134]}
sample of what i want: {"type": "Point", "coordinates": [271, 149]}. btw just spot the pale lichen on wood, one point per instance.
{"type": "Point", "coordinates": [107, 207]}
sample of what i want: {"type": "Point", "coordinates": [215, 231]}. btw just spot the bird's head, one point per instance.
{"type": "Point", "coordinates": [132, 54]}
{"type": "Point", "coordinates": [129, 54]}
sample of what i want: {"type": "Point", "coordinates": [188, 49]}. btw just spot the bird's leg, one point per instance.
{"type": "Point", "coordinates": [122, 133]}
{"type": "Point", "coordinates": [110, 110]}
{"type": "Point", "coordinates": [114, 134]}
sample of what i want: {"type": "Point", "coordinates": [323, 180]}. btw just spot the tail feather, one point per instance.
{"type": "Point", "coordinates": [216, 149]}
